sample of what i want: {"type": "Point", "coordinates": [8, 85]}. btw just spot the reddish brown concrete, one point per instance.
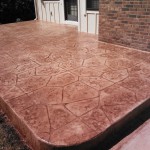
{"type": "Point", "coordinates": [138, 140]}
{"type": "Point", "coordinates": [63, 88]}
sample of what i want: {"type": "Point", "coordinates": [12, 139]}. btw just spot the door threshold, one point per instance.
{"type": "Point", "coordinates": [71, 22]}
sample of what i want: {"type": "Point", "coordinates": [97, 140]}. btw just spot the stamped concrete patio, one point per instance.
{"type": "Point", "coordinates": [63, 88]}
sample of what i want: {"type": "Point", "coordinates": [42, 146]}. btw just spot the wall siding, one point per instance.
{"type": "Point", "coordinates": [51, 11]}
{"type": "Point", "coordinates": [125, 22]}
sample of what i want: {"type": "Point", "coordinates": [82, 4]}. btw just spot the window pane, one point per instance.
{"type": "Point", "coordinates": [92, 4]}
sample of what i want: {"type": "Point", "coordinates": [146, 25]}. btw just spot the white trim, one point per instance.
{"type": "Point", "coordinates": [71, 22]}
{"type": "Point", "coordinates": [51, 2]}
{"type": "Point", "coordinates": [36, 12]}
{"type": "Point", "coordinates": [79, 16]}
{"type": "Point", "coordinates": [92, 12]}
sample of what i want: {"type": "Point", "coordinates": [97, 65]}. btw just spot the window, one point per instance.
{"type": "Point", "coordinates": [71, 10]}
{"type": "Point", "coordinates": [92, 4]}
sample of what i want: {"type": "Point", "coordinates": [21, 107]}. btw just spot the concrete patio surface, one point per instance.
{"type": "Point", "coordinates": [63, 88]}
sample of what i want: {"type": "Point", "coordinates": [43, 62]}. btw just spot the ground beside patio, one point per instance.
{"type": "Point", "coordinates": [55, 81]}
{"type": "Point", "coordinates": [138, 140]}
{"type": "Point", "coordinates": [9, 138]}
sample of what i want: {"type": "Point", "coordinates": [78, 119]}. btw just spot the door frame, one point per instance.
{"type": "Point", "coordinates": [76, 23]}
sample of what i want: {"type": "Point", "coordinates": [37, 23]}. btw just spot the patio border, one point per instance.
{"type": "Point", "coordinates": [36, 143]}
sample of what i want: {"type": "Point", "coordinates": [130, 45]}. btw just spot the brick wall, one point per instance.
{"type": "Point", "coordinates": [125, 22]}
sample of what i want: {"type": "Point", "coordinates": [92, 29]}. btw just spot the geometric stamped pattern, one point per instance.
{"type": "Point", "coordinates": [32, 83]}
{"type": "Point", "coordinates": [59, 116]}
{"type": "Point", "coordinates": [73, 133]}
{"type": "Point", "coordinates": [140, 85]}
{"type": "Point", "coordinates": [94, 61]}
{"type": "Point", "coordinates": [116, 76]}
{"type": "Point", "coordinates": [62, 79]}
{"type": "Point", "coordinates": [140, 69]}
{"type": "Point", "coordinates": [82, 107]}
{"type": "Point", "coordinates": [47, 95]}
{"type": "Point", "coordinates": [117, 95]}
{"type": "Point", "coordinates": [37, 118]}
{"type": "Point", "coordinates": [96, 119]}
{"type": "Point", "coordinates": [87, 72]}
{"type": "Point", "coordinates": [78, 91]}
{"type": "Point", "coordinates": [8, 79]}
{"type": "Point", "coordinates": [9, 92]}
{"type": "Point", "coordinates": [48, 70]}
{"type": "Point", "coordinates": [97, 83]}
{"type": "Point", "coordinates": [66, 87]}
{"type": "Point", "coordinates": [120, 63]}
{"type": "Point", "coordinates": [71, 63]}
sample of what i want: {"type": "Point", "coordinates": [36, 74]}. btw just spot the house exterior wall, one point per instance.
{"type": "Point", "coordinates": [125, 22]}
{"type": "Point", "coordinates": [53, 11]}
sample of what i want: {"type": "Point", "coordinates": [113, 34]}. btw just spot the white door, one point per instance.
{"type": "Point", "coordinates": [89, 16]}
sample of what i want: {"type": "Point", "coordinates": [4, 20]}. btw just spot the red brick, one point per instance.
{"type": "Point", "coordinates": [127, 23]}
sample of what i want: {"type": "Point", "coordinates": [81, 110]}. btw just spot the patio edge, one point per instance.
{"type": "Point", "coordinates": [38, 144]}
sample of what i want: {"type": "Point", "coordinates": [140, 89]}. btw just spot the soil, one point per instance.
{"type": "Point", "coordinates": [9, 137]}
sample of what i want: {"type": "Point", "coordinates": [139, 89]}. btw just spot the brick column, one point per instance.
{"type": "Point", "coordinates": [125, 22]}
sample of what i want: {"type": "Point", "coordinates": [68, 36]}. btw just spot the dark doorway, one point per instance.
{"type": "Point", "coordinates": [71, 10]}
